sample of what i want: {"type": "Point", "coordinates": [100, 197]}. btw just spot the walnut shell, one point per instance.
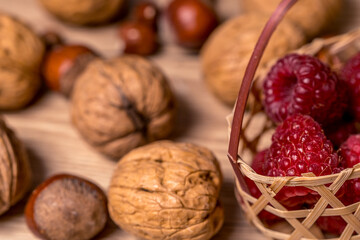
{"type": "Point", "coordinates": [84, 12]}
{"type": "Point", "coordinates": [21, 53]}
{"type": "Point", "coordinates": [227, 51]}
{"type": "Point", "coordinates": [167, 190]}
{"type": "Point", "coordinates": [311, 16]}
{"type": "Point", "coordinates": [122, 103]}
{"type": "Point", "coordinates": [15, 171]}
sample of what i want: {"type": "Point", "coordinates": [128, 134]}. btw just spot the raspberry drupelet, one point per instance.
{"type": "Point", "coordinates": [303, 84]}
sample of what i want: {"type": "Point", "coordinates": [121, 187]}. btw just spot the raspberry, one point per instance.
{"type": "Point", "coordinates": [350, 152]}
{"type": "Point", "coordinates": [299, 146]}
{"type": "Point", "coordinates": [351, 75]}
{"type": "Point", "coordinates": [334, 224]}
{"type": "Point", "coordinates": [339, 132]}
{"type": "Point", "coordinates": [257, 165]}
{"type": "Point", "coordinates": [303, 84]}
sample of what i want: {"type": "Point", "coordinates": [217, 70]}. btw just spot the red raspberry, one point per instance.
{"type": "Point", "coordinates": [299, 146]}
{"type": "Point", "coordinates": [350, 151]}
{"type": "Point", "coordinates": [257, 165]}
{"type": "Point", "coordinates": [334, 225]}
{"type": "Point", "coordinates": [303, 84]}
{"type": "Point", "coordinates": [339, 132]}
{"type": "Point", "coordinates": [351, 75]}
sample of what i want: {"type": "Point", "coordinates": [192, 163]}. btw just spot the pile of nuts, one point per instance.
{"type": "Point", "coordinates": [128, 89]}
{"type": "Point", "coordinates": [123, 106]}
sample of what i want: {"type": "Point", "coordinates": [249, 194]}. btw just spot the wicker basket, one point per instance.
{"type": "Point", "coordinates": [256, 135]}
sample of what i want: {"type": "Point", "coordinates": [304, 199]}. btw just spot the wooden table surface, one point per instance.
{"type": "Point", "coordinates": [55, 146]}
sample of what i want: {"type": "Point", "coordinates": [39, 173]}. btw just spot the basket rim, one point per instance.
{"type": "Point", "coordinates": [303, 180]}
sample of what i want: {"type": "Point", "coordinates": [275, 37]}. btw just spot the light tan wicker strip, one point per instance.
{"type": "Point", "coordinates": [322, 203]}
{"type": "Point", "coordinates": [348, 231]}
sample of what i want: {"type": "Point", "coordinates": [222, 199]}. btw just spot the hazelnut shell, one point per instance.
{"type": "Point", "coordinates": [66, 207]}
{"type": "Point", "coordinates": [63, 64]}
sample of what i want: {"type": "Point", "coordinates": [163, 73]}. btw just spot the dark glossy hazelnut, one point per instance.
{"type": "Point", "coordinates": [147, 13]}
{"type": "Point", "coordinates": [192, 21]}
{"type": "Point", "coordinates": [66, 207]}
{"type": "Point", "coordinates": [138, 38]}
{"type": "Point", "coordinates": [61, 63]}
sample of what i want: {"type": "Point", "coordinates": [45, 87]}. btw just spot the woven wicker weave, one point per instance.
{"type": "Point", "coordinates": [256, 136]}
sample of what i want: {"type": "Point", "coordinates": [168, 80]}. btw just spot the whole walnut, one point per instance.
{"type": "Point", "coordinates": [167, 190]}
{"type": "Point", "coordinates": [21, 53]}
{"type": "Point", "coordinates": [122, 103]}
{"type": "Point", "coordinates": [84, 12]}
{"type": "Point", "coordinates": [227, 51]}
{"type": "Point", "coordinates": [312, 16]}
{"type": "Point", "coordinates": [15, 171]}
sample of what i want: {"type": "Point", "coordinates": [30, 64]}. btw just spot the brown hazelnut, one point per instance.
{"type": "Point", "coordinates": [66, 207]}
{"type": "Point", "coordinates": [138, 38]}
{"type": "Point", "coordinates": [21, 53]}
{"type": "Point", "coordinates": [15, 171]}
{"type": "Point", "coordinates": [62, 64]}
{"type": "Point", "coordinates": [192, 21]}
{"type": "Point", "coordinates": [167, 190]}
{"type": "Point", "coordinates": [147, 13]}
{"type": "Point", "coordinates": [122, 103]}
{"type": "Point", "coordinates": [81, 12]}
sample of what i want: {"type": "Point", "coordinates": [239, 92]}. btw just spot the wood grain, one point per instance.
{"type": "Point", "coordinates": [55, 146]}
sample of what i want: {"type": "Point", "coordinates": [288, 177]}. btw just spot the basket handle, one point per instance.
{"type": "Point", "coordinates": [255, 58]}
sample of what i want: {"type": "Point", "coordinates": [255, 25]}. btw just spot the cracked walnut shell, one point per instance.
{"type": "Point", "coordinates": [15, 171]}
{"type": "Point", "coordinates": [84, 12]}
{"type": "Point", "coordinates": [227, 51]}
{"type": "Point", "coordinates": [21, 53]}
{"type": "Point", "coordinates": [167, 190]}
{"type": "Point", "coordinates": [122, 103]}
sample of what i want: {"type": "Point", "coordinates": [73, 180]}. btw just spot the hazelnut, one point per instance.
{"type": "Point", "coordinates": [147, 13]}
{"type": "Point", "coordinates": [66, 207]}
{"type": "Point", "coordinates": [138, 38]}
{"type": "Point", "coordinates": [62, 64]}
{"type": "Point", "coordinates": [122, 103]}
{"type": "Point", "coordinates": [81, 12]}
{"type": "Point", "coordinates": [192, 21]}
{"type": "Point", "coordinates": [21, 53]}
{"type": "Point", "coordinates": [167, 190]}
{"type": "Point", "coordinates": [15, 171]}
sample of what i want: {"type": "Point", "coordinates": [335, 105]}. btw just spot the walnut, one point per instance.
{"type": "Point", "coordinates": [122, 103]}
{"type": "Point", "coordinates": [15, 171]}
{"type": "Point", "coordinates": [167, 190]}
{"type": "Point", "coordinates": [21, 53]}
{"type": "Point", "coordinates": [84, 12]}
{"type": "Point", "coordinates": [226, 53]}
{"type": "Point", "coordinates": [312, 16]}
